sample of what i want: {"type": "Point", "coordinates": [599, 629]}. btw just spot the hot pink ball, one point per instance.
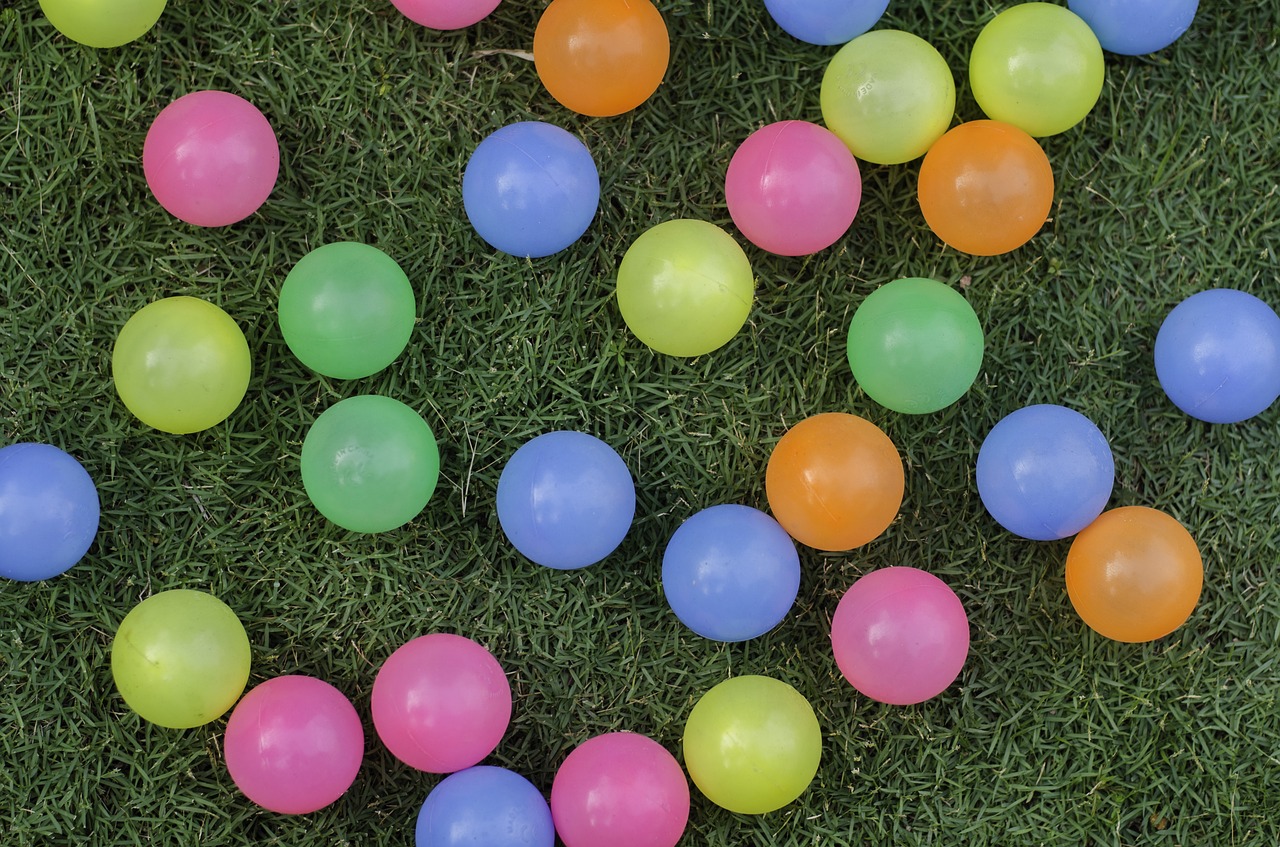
{"type": "Point", "coordinates": [211, 158]}
{"type": "Point", "coordinates": [793, 188]}
{"type": "Point", "coordinates": [446, 14]}
{"type": "Point", "coordinates": [620, 790]}
{"type": "Point", "coordinates": [900, 635]}
{"type": "Point", "coordinates": [294, 744]}
{"type": "Point", "coordinates": [441, 703]}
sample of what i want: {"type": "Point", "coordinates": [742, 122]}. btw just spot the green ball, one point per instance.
{"type": "Point", "coordinates": [685, 287]}
{"type": "Point", "coordinates": [915, 345]}
{"type": "Point", "coordinates": [180, 658]}
{"type": "Point", "coordinates": [103, 23]}
{"type": "Point", "coordinates": [370, 463]}
{"type": "Point", "coordinates": [347, 310]}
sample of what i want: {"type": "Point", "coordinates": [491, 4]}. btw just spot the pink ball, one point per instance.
{"type": "Point", "coordinates": [441, 703]}
{"type": "Point", "coordinates": [294, 744]}
{"type": "Point", "coordinates": [793, 188]}
{"type": "Point", "coordinates": [620, 790]}
{"type": "Point", "coordinates": [211, 158]}
{"type": "Point", "coordinates": [446, 14]}
{"type": "Point", "coordinates": [900, 635]}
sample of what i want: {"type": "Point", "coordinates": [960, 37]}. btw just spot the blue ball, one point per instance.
{"type": "Point", "coordinates": [566, 500]}
{"type": "Point", "coordinates": [531, 189]}
{"type": "Point", "coordinates": [48, 511]}
{"type": "Point", "coordinates": [826, 21]}
{"type": "Point", "coordinates": [1135, 27]}
{"type": "Point", "coordinates": [1045, 472]}
{"type": "Point", "coordinates": [730, 573]}
{"type": "Point", "coordinates": [1218, 355]}
{"type": "Point", "coordinates": [483, 806]}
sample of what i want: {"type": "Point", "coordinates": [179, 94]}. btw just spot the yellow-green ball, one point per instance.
{"type": "Point", "coordinates": [103, 23]}
{"type": "Point", "coordinates": [181, 365]}
{"type": "Point", "coordinates": [180, 658]}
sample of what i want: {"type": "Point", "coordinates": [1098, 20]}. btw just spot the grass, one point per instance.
{"type": "Point", "coordinates": [1051, 736]}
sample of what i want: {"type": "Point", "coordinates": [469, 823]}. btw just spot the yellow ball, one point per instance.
{"type": "Point", "coordinates": [752, 744]}
{"type": "Point", "coordinates": [103, 23]}
{"type": "Point", "coordinates": [181, 365]}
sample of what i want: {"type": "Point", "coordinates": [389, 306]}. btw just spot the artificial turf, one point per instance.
{"type": "Point", "coordinates": [1052, 735]}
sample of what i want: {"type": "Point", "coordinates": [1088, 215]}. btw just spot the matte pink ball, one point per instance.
{"type": "Point", "coordinates": [446, 14]}
{"type": "Point", "coordinates": [441, 703]}
{"type": "Point", "coordinates": [793, 188]}
{"type": "Point", "coordinates": [900, 635]}
{"type": "Point", "coordinates": [211, 158]}
{"type": "Point", "coordinates": [294, 744]}
{"type": "Point", "coordinates": [620, 790]}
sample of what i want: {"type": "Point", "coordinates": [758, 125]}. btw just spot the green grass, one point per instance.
{"type": "Point", "coordinates": [1051, 736]}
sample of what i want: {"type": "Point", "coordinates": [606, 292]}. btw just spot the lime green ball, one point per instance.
{"type": "Point", "coordinates": [346, 310]}
{"type": "Point", "coordinates": [685, 287]}
{"type": "Point", "coordinates": [181, 365]}
{"type": "Point", "coordinates": [915, 345]}
{"type": "Point", "coordinates": [1037, 66]}
{"type": "Point", "coordinates": [752, 744]}
{"type": "Point", "coordinates": [370, 463]}
{"type": "Point", "coordinates": [180, 658]}
{"type": "Point", "coordinates": [888, 95]}
{"type": "Point", "coordinates": [103, 23]}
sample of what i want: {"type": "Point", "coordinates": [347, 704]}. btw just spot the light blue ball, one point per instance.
{"type": "Point", "coordinates": [531, 189]}
{"type": "Point", "coordinates": [48, 511]}
{"type": "Point", "coordinates": [485, 805]}
{"type": "Point", "coordinates": [826, 21]}
{"type": "Point", "coordinates": [1136, 27]}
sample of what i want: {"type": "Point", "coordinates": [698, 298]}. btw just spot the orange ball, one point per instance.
{"type": "Point", "coordinates": [834, 481]}
{"type": "Point", "coordinates": [601, 57]}
{"type": "Point", "coordinates": [985, 188]}
{"type": "Point", "coordinates": [1134, 574]}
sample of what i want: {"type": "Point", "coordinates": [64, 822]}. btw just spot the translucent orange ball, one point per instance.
{"type": "Point", "coordinates": [1134, 574]}
{"type": "Point", "coordinates": [601, 57]}
{"type": "Point", "coordinates": [985, 188]}
{"type": "Point", "coordinates": [834, 481]}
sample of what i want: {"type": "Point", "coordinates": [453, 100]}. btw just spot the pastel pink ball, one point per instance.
{"type": "Point", "coordinates": [441, 703]}
{"type": "Point", "coordinates": [900, 635]}
{"type": "Point", "coordinates": [294, 744]}
{"type": "Point", "coordinates": [620, 789]}
{"type": "Point", "coordinates": [793, 188]}
{"type": "Point", "coordinates": [446, 14]}
{"type": "Point", "coordinates": [211, 158]}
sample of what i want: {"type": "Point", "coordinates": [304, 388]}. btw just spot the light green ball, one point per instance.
{"type": "Point", "coordinates": [103, 23]}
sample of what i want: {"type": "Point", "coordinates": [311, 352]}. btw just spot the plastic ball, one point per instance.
{"type": "Point", "coordinates": [685, 287]}
{"type": "Point", "coordinates": [985, 188]}
{"type": "Point", "coordinates": [180, 658]}
{"type": "Point", "coordinates": [1037, 66]}
{"type": "Point", "coordinates": [730, 573]}
{"type": "Point", "coordinates": [370, 463]}
{"type": "Point", "coordinates": [294, 744]}
{"type": "Point", "coordinates": [752, 744]}
{"type": "Point", "coordinates": [620, 789]}
{"type": "Point", "coordinates": [103, 23]}
{"type": "Point", "coordinates": [441, 703]}
{"type": "Point", "coordinates": [531, 189]}
{"type": "Point", "coordinates": [446, 14]}
{"type": "Point", "coordinates": [601, 57]}
{"type": "Point", "coordinates": [826, 21]}
{"type": "Point", "coordinates": [49, 511]}
{"type": "Point", "coordinates": [1136, 27]}
{"type": "Point", "coordinates": [1218, 355]}
{"type": "Point", "coordinates": [888, 95]}
{"type": "Point", "coordinates": [566, 500]}
{"type": "Point", "coordinates": [793, 188]}
{"type": "Point", "coordinates": [1134, 574]}
{"type": "Point", "coordinates": [485, 805]}
{"type": "Point", "coordinates": [835, 481]}
{"type": "Point", "coordinates": [1045, 472]}
{"type": "Point", "coordinates": [211, 158]}
{"type": "Point", "coordinates": [346, 310]}
{"type": "Point", "coordinates": [900, 635]}
{"type": "Point", "coordinates": [915, 345]}
{"type": "Point", "coordinates": [181, 365]}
